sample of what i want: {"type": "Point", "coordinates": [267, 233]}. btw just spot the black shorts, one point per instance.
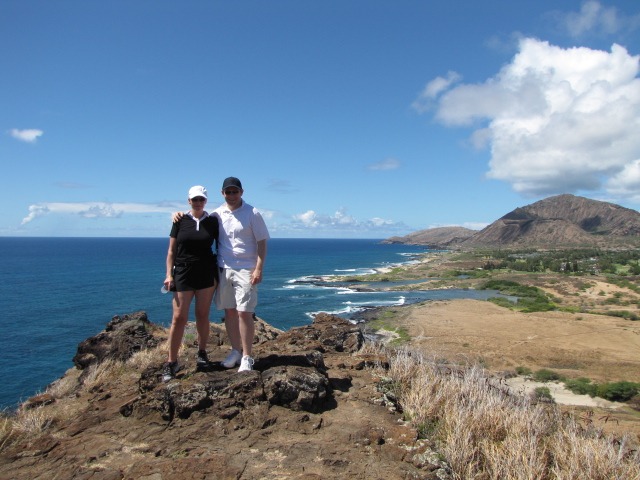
{"type": "Point", "coordinates": [195, 276]}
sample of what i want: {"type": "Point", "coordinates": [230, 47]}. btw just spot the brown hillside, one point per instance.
{"type": "Point", "coordinates": [440, 237]}
{"type": "Point", "coordinates": [562, 221]}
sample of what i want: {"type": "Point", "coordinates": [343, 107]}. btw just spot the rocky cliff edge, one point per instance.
{"type": "Point", "coordinates": [311, 408]}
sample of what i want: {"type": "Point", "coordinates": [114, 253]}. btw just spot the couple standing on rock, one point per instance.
{"type": "Point", "coordinates": [193, 270]}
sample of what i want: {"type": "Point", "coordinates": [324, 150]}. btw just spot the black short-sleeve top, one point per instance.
{"type": "Point", "coordinates": [195, 237]}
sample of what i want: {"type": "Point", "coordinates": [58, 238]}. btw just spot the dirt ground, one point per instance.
{"type": "Point", "coordinates": [599, 347]}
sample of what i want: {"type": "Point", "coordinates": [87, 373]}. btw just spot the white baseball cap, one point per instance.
{"type": "Point", "coordinates": [197, 191]}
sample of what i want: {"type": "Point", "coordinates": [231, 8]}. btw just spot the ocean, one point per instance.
{"type": "Point", "coordinates": [59, 291]}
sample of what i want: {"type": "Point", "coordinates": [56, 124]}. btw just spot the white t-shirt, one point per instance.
{"type": "Point", "coordinates": [240, 231]}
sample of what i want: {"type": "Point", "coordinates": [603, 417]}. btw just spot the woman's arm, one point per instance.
{"type": "Point", "coordinates": [171, 256]}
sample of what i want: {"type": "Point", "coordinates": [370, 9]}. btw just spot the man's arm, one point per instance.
{"type": "Point", "coordinates": [176, 216]}
{"type": "Point", "coordinates": [256, 276]}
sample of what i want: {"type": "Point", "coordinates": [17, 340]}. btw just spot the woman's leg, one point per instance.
{"type": "Point", "coordinates": [181, 302]}
{"type": "Point", "coordinates": [203, 306]}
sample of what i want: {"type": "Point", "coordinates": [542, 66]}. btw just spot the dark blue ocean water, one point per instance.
{"type": "Point", "coordinates": [59, 291]}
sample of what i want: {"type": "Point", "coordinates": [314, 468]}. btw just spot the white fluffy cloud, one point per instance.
{"type": "Point", "coordinates": [28, 135]}
{"type": "Point", "coordinates": [627, 182]}
{"type": "Point", "coordinates": [431, 91]}
{"type": "Point", "coordinates": [556, 120]}
{"type": "Point", "coordinates": [308, 219]}
{"type": "Point", "coordinates": [341, 221]}
{"type": "Point", "coordinates": [593, 17]}
{"type": "Point", "coordinates": [96, 209]}
{"type": "Point", "coordinates": [311, 219]}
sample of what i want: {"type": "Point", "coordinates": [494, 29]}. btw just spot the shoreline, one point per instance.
{"type": "Point", "coordinates": [596, 346]}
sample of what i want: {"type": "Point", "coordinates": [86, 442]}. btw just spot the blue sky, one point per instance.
{"type": "Point", "coordinates": [361, 119]}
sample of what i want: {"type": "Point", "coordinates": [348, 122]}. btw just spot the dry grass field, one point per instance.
{"type": "Point", "coordinates": [597, 346]}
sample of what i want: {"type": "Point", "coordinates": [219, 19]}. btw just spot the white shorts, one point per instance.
{"type": "Point", "coordinates": [235, 291]}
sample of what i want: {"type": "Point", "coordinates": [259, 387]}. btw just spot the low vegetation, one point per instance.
{"type": "Point", "coordinates": [384, 324]}
{"type": "Point", "coordinates": [622, 391]}
{"type": "Point", "coordinates": [539, 281]}
{"type": "Point", "coordinates": [568, 262]}
{"type": "Point", "coordinates": [25, 424]}
{"type": "Point", "coordinates": [484, 431]}
{"type": "Point", "coordinates": [527, 299]}
{"type": "Point", "coordinates": [478, 426]}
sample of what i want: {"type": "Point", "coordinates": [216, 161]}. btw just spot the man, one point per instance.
{"type": "Point", "coordinates": [242, 249]}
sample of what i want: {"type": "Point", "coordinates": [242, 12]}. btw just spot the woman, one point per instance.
{"type": "Point", "coordinates": [191, 272]}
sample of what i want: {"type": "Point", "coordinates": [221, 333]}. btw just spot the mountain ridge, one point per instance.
{"type": "Point", "coordinates": [561, 221]}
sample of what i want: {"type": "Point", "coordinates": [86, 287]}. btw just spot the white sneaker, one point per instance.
{"type": "Point", "coordinates": [246, 364]}
{"type": "Point", "coordinates": [232, 359]}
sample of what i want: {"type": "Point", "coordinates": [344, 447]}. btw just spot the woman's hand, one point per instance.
{"type": "Point", "coordinates": [176, 216]}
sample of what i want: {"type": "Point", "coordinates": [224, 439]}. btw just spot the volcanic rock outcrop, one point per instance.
{"type": "Point", "coordinates": [311, 408]}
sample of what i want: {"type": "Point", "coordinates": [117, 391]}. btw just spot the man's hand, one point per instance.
{"type": "Point", "coordinates": [176, 216]}
{"type": "Point", "coordinates": [256, 277]}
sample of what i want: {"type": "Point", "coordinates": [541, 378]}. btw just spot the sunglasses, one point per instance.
{"type": "Point", "coordinates": [231, 192]}
{"type": "Point", "coordinates": [198, 199]}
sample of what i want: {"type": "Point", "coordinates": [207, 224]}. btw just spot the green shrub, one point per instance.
{"type": "Point", "coordinates": [466, 274]}
{"type": "Point", "coordinates": [501, 302]}
{"type": "Point", "coordinates": [508, 287]}
{"type": "Point", "coordinates": [544, 375]}
{"type": "Point", "coordinates": [523, 370]}
{"type": "Point", "coordinates": [426, 429]}
{"type": "Point", "coordinates": [537, 304]}
{"type": "Point", "coordinates": [530, 299]}
{"type": "Point", "coordinates": [582, 386]}
{"type": "Point", "coordinates": [542, 393]}
{"type": "Point", "coordinates": [626, 314]}
{"type": "Point", "coordinates": [618, 391]}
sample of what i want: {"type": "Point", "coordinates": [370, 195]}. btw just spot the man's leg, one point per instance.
{"type": "Point", "coordinates": [247, 331]}
{"type": "Point", "coordinates": [231, 323]}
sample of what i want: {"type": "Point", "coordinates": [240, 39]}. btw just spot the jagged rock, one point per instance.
{"type": "Point", "coordinates": [307, 410]}
{"type": "Point", "coordinates": [223, 391]}
{"type": "Point", "coordinates": [298, 382]}
{"type": "Point", "coordinates": [122, 337]}
{"type": "Point", "coordinates": [38, 401]}
{"type": "Point", "coordinates": [327, 333]}
{"type": "Point", "coordinates": [298, 388]}
{"type": "Point", "coordinates": [301, 359]}
{"type": "Point", "coordinates": [265, 332]}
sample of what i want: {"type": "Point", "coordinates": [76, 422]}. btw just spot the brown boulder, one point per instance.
{"type": "Point", "coordinates": [122, 337]}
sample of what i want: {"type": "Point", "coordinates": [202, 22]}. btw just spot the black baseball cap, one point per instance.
{"type": "Point", "coordinates": [231, 182]}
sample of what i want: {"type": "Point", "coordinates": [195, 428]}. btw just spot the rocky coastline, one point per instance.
{"type": "Point", "coordinates": [312, 408]}
{"type": "Point", "coordinates": [316, 405]}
